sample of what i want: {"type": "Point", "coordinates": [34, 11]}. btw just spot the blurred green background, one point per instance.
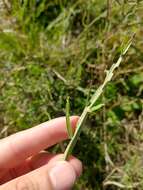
{"type": "Point", "coordinates": [51, 49]}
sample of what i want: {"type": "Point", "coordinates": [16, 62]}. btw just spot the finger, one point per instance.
{"type": "Point", "coordinates": [25, 167]}
{"type": "Point", "coordinates": [38, 161]}
{"type": "Point", "coordinates": [18, 147]}
{"type": "Point", "coordinates": [59, 175]}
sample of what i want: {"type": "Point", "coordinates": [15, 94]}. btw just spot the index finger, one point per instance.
{"type": "Point", "coordinates": [18, 147]}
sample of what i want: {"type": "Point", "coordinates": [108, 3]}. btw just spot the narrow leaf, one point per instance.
{"type": "Point", "coordinates": [97, 107]}
{"type": "Point", "coordinates": [68, 124]}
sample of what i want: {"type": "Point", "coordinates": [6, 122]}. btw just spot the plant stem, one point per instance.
{"type": "Point", "coordinates": [73, 141]}
{"type": "Point", "coordinates": [96, 95]}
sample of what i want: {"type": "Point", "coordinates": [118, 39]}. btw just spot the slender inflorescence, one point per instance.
{"type": "Point", "coordinates": [94, 98]}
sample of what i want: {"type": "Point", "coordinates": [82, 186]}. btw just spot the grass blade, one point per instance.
{"type": "Point", "coordinates": [68, 124]}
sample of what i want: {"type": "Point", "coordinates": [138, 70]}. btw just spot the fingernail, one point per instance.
{"type": "Point", "coordinates": [62, 176]}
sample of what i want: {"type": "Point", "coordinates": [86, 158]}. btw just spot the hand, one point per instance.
{"type": "Point", "coordinates": [24, 166]}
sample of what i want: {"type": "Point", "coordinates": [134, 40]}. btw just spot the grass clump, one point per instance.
{"type": "Point", "coordinates": [53, 49]}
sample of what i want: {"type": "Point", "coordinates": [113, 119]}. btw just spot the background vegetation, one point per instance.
{"type": "Point", "coordinates": [50, 49]}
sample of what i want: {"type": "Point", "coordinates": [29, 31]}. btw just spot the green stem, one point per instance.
{"type": "Point", "coordinates": [74, 139]}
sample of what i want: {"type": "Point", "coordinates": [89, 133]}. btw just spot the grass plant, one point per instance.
{"type": "Point", "coordinates": [91, 107]}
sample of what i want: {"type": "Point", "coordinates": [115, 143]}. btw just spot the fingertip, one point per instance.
{"type": "Point", "coordinates": [62, 175]}
{"type": "Point", "coordinates": [74, 162]}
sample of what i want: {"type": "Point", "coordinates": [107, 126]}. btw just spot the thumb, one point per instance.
{"type": "Point", "coordinates": [60, 176]}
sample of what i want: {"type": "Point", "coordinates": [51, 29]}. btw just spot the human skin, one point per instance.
{"type": "Point", "coordinates": [25, 166]}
